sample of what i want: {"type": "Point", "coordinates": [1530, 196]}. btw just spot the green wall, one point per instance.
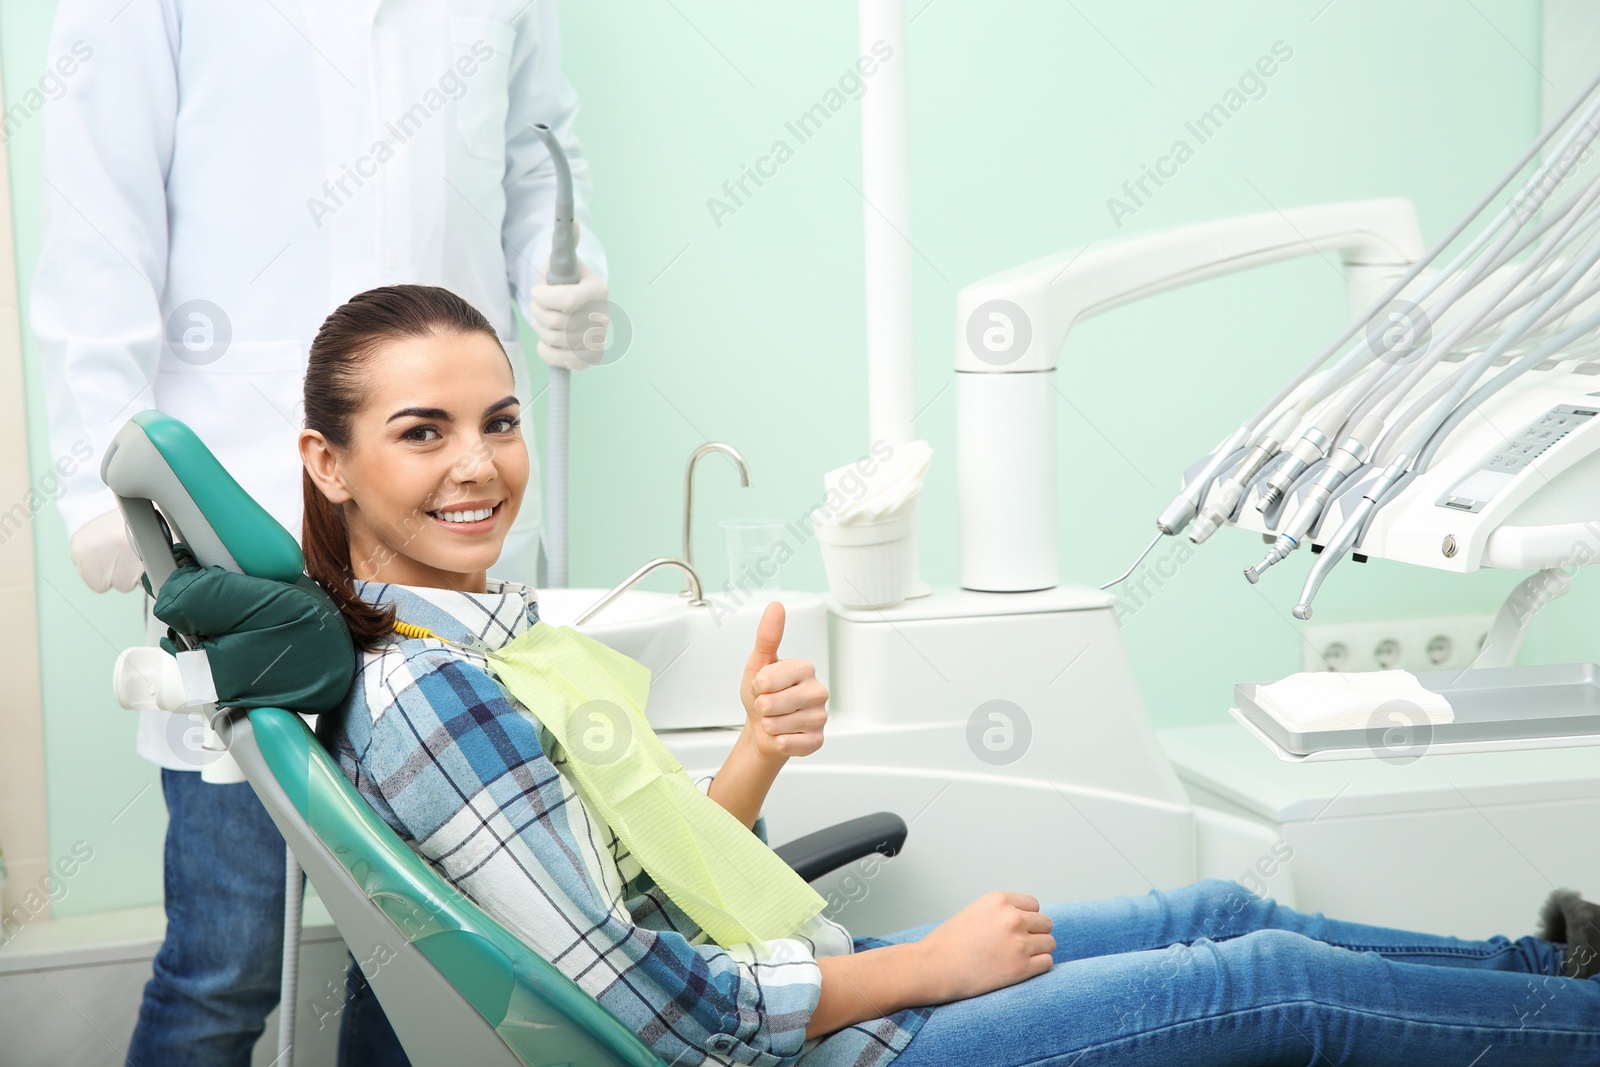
{"type": "Point", "coordinates": [1027, 116]}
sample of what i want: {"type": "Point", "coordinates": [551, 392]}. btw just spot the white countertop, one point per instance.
{"type": "Point", "coordinates": [1227, 761]}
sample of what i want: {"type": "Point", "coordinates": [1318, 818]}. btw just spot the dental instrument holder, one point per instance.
{"type": "Point", "coordinates": [137, 471]}
{"type": "Point", "coordinates": [563, 270]}
{"type": "Point", "coordinates": [1514, 490]}
{"type": "Point", "coordinates": [1005, 397]}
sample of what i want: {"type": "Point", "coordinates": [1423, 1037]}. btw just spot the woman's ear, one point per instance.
{"type": "Point", "coordinates": [322, 463]}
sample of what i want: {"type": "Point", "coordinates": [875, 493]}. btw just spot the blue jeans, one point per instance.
{"type": "Point", "coordinates": [1211, 974]}
{"type": "Point", "coordinates": [217, 974]}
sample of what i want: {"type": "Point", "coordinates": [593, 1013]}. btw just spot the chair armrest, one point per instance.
{"type": "Point", "coordinates": [814, 855]}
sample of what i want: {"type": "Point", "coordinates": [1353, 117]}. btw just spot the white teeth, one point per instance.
{"type": "Point", "coordinates": [464, 516]}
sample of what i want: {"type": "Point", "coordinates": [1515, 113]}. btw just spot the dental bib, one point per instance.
{"type": "Point", "coordinates": [592, 698]}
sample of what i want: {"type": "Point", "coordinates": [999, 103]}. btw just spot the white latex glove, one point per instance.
{"type": "Point", "coordinates": [571, 320]}
{"type": "Point", "coordinates": [104, 556]}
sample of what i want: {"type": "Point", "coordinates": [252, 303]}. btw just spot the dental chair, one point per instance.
{"type": "Point", "coordinates": [457, 986]}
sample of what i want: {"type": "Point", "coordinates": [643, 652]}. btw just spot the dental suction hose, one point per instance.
{"type": "Point", "coordinates": [289, 989]}
{"type": "Point", "coordinates": [563, 271]}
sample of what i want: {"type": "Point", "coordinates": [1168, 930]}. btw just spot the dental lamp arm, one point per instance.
{"type": "Point", "coordinates": [1374, 237]}
{"type": "Point", "coordinates": [1006, 401]}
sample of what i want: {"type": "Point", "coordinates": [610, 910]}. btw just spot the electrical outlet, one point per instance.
{"type": "Point", "coordinates": [1444, 643]}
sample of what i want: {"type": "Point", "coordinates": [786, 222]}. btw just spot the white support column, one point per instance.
{"type": "Point", "coordinates": [886, 186]}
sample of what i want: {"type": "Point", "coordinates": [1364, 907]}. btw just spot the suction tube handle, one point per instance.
{"type": "Point", "coordinates": [564, 245]}
{"type": "Point", "coordinates": [563, 270]}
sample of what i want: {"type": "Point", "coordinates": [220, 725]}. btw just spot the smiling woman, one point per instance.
{"type": "Point", "coordinates": [415, 467]}
{"type": "Point", "coordinates": [414, 460]}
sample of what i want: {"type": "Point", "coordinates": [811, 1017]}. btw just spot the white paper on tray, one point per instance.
{"type": "Point", "coordinates": [1329, 700]}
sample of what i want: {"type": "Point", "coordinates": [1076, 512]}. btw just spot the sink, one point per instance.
{"type": "Point", "coordinates": [632, 610]}
{"type": "Point", "coordinates": [696, 654]}
{"type": "Point", "coordinates": [640, 624]}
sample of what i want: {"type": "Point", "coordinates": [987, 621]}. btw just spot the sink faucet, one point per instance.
{"type": "Point", "coordinates": [688, 498]}
{"type": "Point", "coordinates": [632, 579]}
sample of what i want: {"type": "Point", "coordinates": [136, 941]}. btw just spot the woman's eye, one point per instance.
{"type": "Point", "coordinates": [504, 424]}
{"type": "Point", "coordinates": [420, 434]}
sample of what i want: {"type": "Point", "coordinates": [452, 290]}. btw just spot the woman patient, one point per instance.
{"type": "Point", "coordinates": [415, 467]}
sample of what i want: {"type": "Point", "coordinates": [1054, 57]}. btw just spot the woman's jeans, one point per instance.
{"type": "Point", "coordinates": [217, 974]}
{"type": "Point", "coordinates": [1212, 974]}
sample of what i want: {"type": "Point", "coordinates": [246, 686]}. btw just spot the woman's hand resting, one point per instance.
{"type": "Point", "coordinates": [785, 704]}
{"type": "Point", "coordinates": [998, 940]}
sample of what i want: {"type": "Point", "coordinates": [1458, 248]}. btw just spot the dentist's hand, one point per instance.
{"type": "Point", "coordinates": [571, 320]}
{"type": "Point", "coordinates": [104, 556]}
{"type": "Point", "coordinates": [786, 705]}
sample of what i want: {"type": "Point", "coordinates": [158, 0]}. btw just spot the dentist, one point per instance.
{"type": "Point", "coordinates": [218, 177]}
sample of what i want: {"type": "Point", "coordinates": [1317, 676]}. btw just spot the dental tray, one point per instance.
{"type": "Point", "coordinates": [1546, 706]}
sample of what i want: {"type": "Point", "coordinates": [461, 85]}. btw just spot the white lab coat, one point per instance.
{"type": "Point", "coordinates": [272, 160]}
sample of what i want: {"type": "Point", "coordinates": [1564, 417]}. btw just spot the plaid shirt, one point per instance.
{"type": "Point", "coordinates": [474, 784]}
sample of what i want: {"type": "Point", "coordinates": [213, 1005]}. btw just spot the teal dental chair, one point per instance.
{"type": "Point", "coordinates": [458, 987]}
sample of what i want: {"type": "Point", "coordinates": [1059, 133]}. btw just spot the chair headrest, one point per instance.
{"type": "Point", "coordinates": [157, 459]}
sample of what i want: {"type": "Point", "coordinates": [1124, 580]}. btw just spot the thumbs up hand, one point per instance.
{"type": "Point", "coordinates": [786, 704]}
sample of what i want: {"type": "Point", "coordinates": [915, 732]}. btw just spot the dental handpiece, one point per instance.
{"type": "Point", "coordinates": [1346, 537]}
{"type": "Point", "coordinates": [1344, 461]}
{"type": "Point", "coordinates": [1312, 446]}
{"type": "Point", "coordinates": [1172, 521]}
{"type": "Point", "coordinates": [1222, 500]}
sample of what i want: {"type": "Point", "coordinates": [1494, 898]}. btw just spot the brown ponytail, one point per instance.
{"type": "Point", "coordinates": [334, 393]}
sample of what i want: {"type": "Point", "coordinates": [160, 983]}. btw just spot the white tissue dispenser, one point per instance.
{"type": "Point", "coordinates": [867, 529]}
{"type": "Point", "coordinates": [871, 565]}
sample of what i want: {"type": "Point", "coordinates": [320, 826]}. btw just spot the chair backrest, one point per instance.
{"type": "Point", "coordinates": [456, 985]}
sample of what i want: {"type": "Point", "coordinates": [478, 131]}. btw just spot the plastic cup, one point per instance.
{"type": "Point", "coordinates": [754, 549]}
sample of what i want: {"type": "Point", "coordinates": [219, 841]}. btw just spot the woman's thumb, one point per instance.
{"type": "Point", "coordinates": [769, 632]}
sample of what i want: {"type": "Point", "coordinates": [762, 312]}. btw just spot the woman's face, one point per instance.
{"type": "Point", "coordinates": [436, 465]}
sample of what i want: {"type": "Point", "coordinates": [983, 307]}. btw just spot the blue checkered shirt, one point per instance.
{"type": "Point", "coordinates": [475, 785]}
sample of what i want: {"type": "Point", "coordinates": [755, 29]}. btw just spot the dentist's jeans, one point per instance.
{"type": "Point", "coordinates": [217, 974]}
{"type": "Point", "coordinates": [1212, 975]}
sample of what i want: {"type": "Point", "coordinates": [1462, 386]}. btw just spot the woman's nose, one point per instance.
{"type": "Point", "coordinates": [475, 464]}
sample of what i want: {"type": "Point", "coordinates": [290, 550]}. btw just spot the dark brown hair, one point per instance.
{"type": "Point", "coordinates": [334, 392]}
